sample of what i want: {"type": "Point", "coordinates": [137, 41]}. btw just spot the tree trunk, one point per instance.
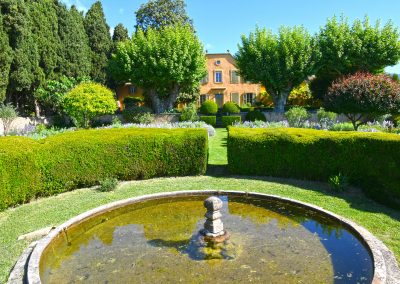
{"type": "Point", "coordinates": [155, 101]}
{"type": "Point", "coordinates": [280, 102]}
{"type": "Point", "coordinates": [171, 99]}
{"type": "Point", "coordinates": [37, 108]}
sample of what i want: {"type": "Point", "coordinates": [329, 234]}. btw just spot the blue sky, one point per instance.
{"type": "Point", "coordinates": [220, 23]}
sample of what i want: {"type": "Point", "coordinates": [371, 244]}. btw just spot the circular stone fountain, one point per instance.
{"type": "Point", "coordinates": [165, 238]}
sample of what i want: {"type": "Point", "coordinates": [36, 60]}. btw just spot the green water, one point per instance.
{"type": "Point", "coordinates": [158, 242]}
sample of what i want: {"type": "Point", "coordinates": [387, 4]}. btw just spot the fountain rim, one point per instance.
{"type": "Point", "coordinates": [375, 247]}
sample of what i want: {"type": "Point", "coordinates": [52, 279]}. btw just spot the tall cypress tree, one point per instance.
{"type": "Point", "coordinates": [45, 31]}
{"type": "Point", "coordinates": [25, 73]}
{"type": "Point", "coordinates": [5, 60]}
{"type": "Point", "coordinates": [120, 33]}
{"type": "Point", "coordinates": [99, 41]}
{"type": "Point", "coordinates": [75, 54]}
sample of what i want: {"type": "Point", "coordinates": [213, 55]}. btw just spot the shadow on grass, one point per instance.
{"type": "Point", "coordinates": [353, 196]}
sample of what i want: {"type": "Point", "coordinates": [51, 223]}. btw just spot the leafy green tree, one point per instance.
{"type": "Point", "coordinates": [25, 72]}
{"type": "Point", "coordinates": [346, 49]}
{"type": "Point", "coordinates": [156, 14]}
{"type": "Point", "coordinates": [5, 59]}
{"type": "Point", "coordinates": [75, 53]}
{"type": "Point", "coordinates": [51, 95]}
{"type": "Point", "coordinates": [164, 62]}
{"type": "Point", "coordinates": [279, 62]}
{"type": "Point", "coordinates": [99, 41]}
{"type": "Point", "coordinates": [88, 100]}
{"type": "Point", "coordinates": [363, 97]}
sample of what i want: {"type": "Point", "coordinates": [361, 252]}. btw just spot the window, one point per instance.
{"type": "Point", "coordinates": [204, 80]}
{"type": "Point", "coordinates": [217, 62]}
{"type": "Point", "coordinates": [203, 98]}
{"type": "Point", "coordinates": [235, 98]}
{"type": "Point", "coordinates": [249, 98]}
{"type": "Point", "coordinates": [132, 90]}
{"type": "Point", "coordinates": [234, 77]}
{"type": "Point", "coordinates": [218, 77]}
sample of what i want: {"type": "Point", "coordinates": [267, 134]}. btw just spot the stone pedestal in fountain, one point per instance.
{"type": "Point", "coordinates": [213, 227]}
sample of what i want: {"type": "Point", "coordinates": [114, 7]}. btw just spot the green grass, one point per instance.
{"type": "Point", "coordinates": [380, 220]}
{"type": "Point", "coordinates": [217, 152]}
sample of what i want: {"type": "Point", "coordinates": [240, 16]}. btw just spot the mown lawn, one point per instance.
{"type": "Point", "coordinates": [380, 220]}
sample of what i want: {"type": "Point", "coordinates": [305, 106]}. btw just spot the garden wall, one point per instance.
{"type": "Point", "coordinates": [67, 161]}
{"type": "Point", "coordinates": [369, 160]}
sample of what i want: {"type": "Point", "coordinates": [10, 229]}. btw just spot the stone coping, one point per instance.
{"type": "Point", "coordinates": [386, 270]}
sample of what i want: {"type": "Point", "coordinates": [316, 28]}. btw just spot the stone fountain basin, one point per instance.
{"type": "Point", "coordinates": [385, 267]}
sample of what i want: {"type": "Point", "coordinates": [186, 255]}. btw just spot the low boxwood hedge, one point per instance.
{"type": "Point", "coordinates": [72, 160]}
{"type": "Point", "coordinates": [230, 120]}
{"type": "Point", "coordinates": [369, 160]}
{"type": "Point", "coordinates": [209, 119]}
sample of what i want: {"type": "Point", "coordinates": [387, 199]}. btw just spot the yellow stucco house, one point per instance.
{"type": "Point", "coordinates": [222, 84]}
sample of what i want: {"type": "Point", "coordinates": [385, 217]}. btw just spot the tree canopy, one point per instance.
{"type": "Point", "coordinates": [277, 61]}
{"type": "Point", "coordinates": [88, 100]}
{"type": "Point", "coordinates": [99, 41]}
{"type": "Point", "coordinates": [362, 97]}
{"type": "Point", "coordinates": [346, 49]}
{"type": "Point", "coordinates": [75, 51]}
{"type": "Point", "coordinates": [120, 33]}
{"type": "Point", "coordinates": [5, 59]}
{"type": "Point", "coordinates": [156, 14]}
{"type": "Point", "coordinates": [164, 62]}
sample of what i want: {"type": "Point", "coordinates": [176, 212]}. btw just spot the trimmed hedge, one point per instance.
{"type": "Point", "coordinates": [255, 115]}
{"type": "Point", "coordinates": [72, 160]}
{"type": "Point", "coordinates": [369, 160]}
{"type": "Point", "coordinates": [230, 120]}
{"type": "Point", "coordinates": [209, 119]}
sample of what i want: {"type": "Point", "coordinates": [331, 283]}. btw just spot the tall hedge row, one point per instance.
{"type": "Point", "coordinates": [67, 161]}
{"type": "Point", "coordinates": [369, 160]}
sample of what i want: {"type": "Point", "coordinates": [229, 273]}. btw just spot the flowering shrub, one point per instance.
{"type": "Point", "coordinates": [362, 97]}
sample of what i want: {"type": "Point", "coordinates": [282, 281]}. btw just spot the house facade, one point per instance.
{"type": "Point", "coordinates": [222, 84]}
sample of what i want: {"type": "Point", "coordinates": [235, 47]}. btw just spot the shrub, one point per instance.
{"type": "Point", "coordinates": [209, 108]}
{"type": "Point", "coordinates": [8, 114]}
{"type": "Point", "coordinates": [297, 116]}
{"type": "Point", "coordinates": [368, 160]}
{"type": "Point", "coordinates": [189, 113]}
{"type": "Point", "coordinates": [138, 115]}
{"type": "Point", "coordinates": [300, 95]}
{"type": "Point", "coordinates": [209, 119]}
{"type": "Point", "coordinates": [362, 97]}
{"type": "Point", "coordinates": [338, 182]}
{"type": "Point", "coordinates": [326, 118]}
{"type": "Point", "coordinates": [343, 126]}
{"type": "Point", "coordinates": [255, 115]}
{"type": "Point", "coordinates": [108, 184]}
{"type": "Point", "coordinates": [230, 120]}
{"type": "Point", "coordinates": [230, 107]}
{"type": "Point", "coordinates": [83, 158]}
{"type": "Point", "coordinates": [130, 102]}
{"type": "Point", "coordinates": [88, 100]}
